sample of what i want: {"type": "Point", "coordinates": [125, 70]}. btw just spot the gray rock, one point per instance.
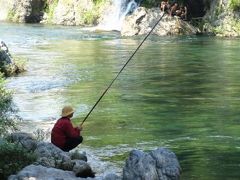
{"type": "Point", "coordinates": [48, 153]}
{"type": "Point", "coordinates": [71, 13]}
{"type": "Point", "coordinates": [43, 173]}
{"type": "Point", "coordinates": [143, 20]}
{"type": "Point", "coordinates": [26, 11]}
{"type": "Point", "coordinates": [140, 166]}
{"type": "Point", "coordinates": [24, 139]}
{"type": "Point", "coordinates": [5, 56]}
{"type": "Point", "coordinates": [7, 64]}
{"type": "Point", "coordinates": [76, 155]}
{"type": "Point", "coordinates": [167, 165]}
{"type": "Point", "coordinates": [82, 169]}
{"type": "Point", "coordinates": [111, 177]}
{"type": "Point", "coordinates": [161, 164]}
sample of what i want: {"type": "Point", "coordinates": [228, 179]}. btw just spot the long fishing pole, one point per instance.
{"type": "Point", "coordinates": [122, 69]}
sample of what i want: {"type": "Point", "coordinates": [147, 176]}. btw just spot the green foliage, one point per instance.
{"type": "Point", "coordinates": [90, 17]}
{"type": "Point", "coordinates": [150, 3]}
{"type": "Point", "coordinates": [13, 158]}
{"type": "Point", "coordinates": [11, 16]}
{"type": "Point", "coordinates": [49, 8]}
{"type": "Point", "coordinates": [235, 5]}
{"type": "Point", "coordinates": [42, 135]}
{"type": "Point", "coordinates": [7, 110]}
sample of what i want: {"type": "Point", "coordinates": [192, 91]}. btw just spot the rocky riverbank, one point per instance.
{"type": "Point", "coordinates": [53, 163]}
{"type": "Point", "coordinates": [219, 17]}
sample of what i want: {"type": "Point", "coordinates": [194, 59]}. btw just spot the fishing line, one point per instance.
{"type": "Point", "coordinates": [122, 69]}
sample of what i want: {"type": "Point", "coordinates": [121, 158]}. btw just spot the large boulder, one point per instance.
{"type": "Point", "coordinates": [40, 172]}
{"type": "Point", "coordinates": [7, 64]}
{"type": "Point", "coordinates": [51, 156]}
{"type": "Point", "coordinates": [26, 140]}
{"type": "Point", "coordinates": [161, 164]}
{"type": "Point", "coordinates": [26, 11]}
{"type": "Point", "coordinates": [143, 20]}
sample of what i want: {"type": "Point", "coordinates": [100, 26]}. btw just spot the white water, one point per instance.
{"type": "Point", "coordinates": [113, 19]}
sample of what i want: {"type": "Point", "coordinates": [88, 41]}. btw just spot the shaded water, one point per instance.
{"type": "Point", "coordinates": [179, 92]}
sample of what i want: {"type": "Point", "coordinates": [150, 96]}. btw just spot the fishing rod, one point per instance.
{"type": "Point", "coordinates": [130, 58]}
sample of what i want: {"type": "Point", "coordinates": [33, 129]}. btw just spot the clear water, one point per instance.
{"type": "Point", "coordinates": [179, 92]}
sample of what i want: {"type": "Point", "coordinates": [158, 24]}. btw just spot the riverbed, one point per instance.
{"type": "Point", "coordinates": [178, 92]}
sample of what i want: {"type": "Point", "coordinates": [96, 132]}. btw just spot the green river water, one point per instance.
{"type": "Point", "coordinates": [178, 92]}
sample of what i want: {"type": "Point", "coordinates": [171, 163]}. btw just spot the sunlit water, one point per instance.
{"type": "Point", "coordinates": [178, 92]}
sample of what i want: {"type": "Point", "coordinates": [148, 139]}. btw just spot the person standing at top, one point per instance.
{"type": "Point", "coordinates": [165, 6]}
{"type": "Point", "coordinates": [63, 134]}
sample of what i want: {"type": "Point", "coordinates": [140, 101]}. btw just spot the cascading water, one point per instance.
{"type": "Point", "coordinates": [113, 19]}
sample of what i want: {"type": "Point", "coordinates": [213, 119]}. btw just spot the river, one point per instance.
{"type": "Point", "coordinates": [178, 92]}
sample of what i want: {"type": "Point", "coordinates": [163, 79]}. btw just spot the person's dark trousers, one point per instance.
{"type": "Point", "coordinates": [71, 143]}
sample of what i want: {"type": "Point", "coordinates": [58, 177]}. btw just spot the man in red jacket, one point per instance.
{"type": "Point", "coordinates": [64, 135]}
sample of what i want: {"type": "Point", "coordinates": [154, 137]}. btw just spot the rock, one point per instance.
{"type": "Point", "coordinates": [161, 164]}
{"type": "Point", "coordinates": [112, 177]}
{"type": "Point", "coordinates": [167, 165]}
{"type": "Point", "coordinates": [82, 169]}
{"type": "Point", "coordinates": [7, 64]}
{"type": "Point", "coordinates": [140, 166]}
{"type": "Point", "coordinates": [26, 11]}
{"type": "Point", "coordinates": [43, 173]}
{"type": "Point", "coordinates": [24, 139]}
{"type": "Point", "coordinates": [48, 153]}
{"type": "Point", "coordinates": [5, 56]}
{"type": "Point", "coordinates": [143, 20]}
{"type": "Point", "coordinates": [76, 155]}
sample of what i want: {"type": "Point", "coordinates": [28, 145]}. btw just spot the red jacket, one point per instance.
{"type": "Point", "coordinates": [62, 130]}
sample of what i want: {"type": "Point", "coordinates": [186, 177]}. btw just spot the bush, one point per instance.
{"type": "Point", "coordinates": [235, 5]}
{"type": "Point", "coordinates": [13, 158]}
{"type": "Point", "coordinates": [7, 110]}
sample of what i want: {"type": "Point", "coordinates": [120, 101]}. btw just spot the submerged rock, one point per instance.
{"type": "Point", "coordinates": [143, 20]}
{"type": "Point", "coordinates": [161, 164]}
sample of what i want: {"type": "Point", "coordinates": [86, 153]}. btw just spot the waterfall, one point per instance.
{"type": "Point", "coordinates": [113, 19]}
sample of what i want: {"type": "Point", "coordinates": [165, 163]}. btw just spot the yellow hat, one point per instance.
{"type": "Point", "coordinates": [67, 110]}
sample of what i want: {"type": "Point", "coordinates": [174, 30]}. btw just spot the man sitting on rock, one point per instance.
{"type": "Point", "coordinates": [63, 134]}
{"type": "Point", "coordinates": [183, 10]}
{"type": "Point", "coordinates": [174, 10]}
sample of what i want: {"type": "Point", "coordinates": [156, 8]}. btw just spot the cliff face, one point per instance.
{"type": "Point", "coordinates": [65, 12]}
{"type": "Point", "coordinates": [222, 18]}
{"type": "Point", "coordinates": [24, 11]}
